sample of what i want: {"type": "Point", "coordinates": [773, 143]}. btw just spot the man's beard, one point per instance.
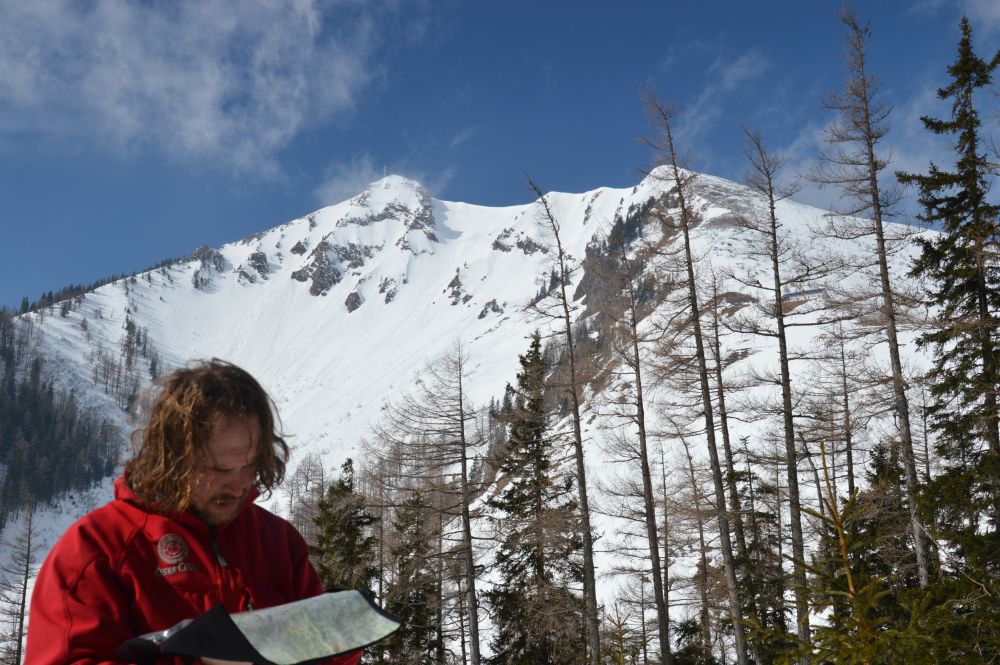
{"type": "Point", "coordinates": [222, 508]}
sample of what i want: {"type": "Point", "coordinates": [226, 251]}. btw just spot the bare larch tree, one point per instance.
{"type": "Point", "coordinates": [853, 164]}
{"type": "Point", "coordinates": [573, 390]}
{"type": "Point", "coordinates": [663, 117]}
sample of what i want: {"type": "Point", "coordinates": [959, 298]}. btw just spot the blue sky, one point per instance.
{"type": "Point", "coordinates": [131, 132]}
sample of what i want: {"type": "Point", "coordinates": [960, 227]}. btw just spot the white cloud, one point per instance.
{"type": "Point", "coordinates": [199, 78]}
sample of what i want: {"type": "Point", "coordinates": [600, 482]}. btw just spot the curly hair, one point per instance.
{"type": "Point", "coordinates": [191, 400]}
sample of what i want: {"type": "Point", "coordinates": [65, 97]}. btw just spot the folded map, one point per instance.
{"type": "Point", "coordinates": [299, 632]}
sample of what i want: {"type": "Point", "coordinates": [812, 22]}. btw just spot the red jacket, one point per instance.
{"type": "Point", "coordinates": [122, 571]}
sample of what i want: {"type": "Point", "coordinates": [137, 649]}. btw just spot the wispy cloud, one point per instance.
{"type": "Point", "coordinates": [984, 15]}
{"type": "Point", "coordinates": [346, 179]}
{"type": "Point", "coordinates": [800, 158]}
{"type": "Point", "coordinates": [908, 146]}
{"type": "Point", "coordinates": [462, 137]}
{"type": "Point", "coordinates": [208, 79]}
{"type": "Point", "coordinates": [342, 181]}
{"type": "Point", "coordinates": [723, 78]}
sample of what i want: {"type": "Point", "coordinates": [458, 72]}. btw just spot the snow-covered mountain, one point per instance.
{"type": "Point", "coordinates": [339, 310]}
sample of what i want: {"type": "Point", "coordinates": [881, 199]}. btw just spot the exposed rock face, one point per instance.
{"type": "Point", "coordinates": [508, 239]}
{"type": "Point", "coordinates": [354, 300]}
{"type": "Point", "coordinates": [330, 262]}
{"type": "Point", "coordinates": [322, 270]}
{"type": "Point", "coordinates": [258, 261]}
{"type": "Point", "coordinates": [491, 307]}
{"type": "Point", "coordinates": [353, 256]}
{"type": "Point", "coordinates": [422, 218]}
{"type": "Point", "coordinates": [455, 289]}
{"type": "Point", "coordinates": [211, 262]}
{"type": "Point", "coordinates": [409, 209]}
{"type": "Point", "coordinates": [389, 287]}
{"type": "Point", "coordinates": [416, 217]}
{"type": "Point", "coordinates": [256, 266]}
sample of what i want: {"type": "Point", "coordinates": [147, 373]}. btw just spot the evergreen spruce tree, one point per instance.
{"type": "Point", "coordinates": [763, 582]}
{"type": "Point", "coordinates": [691, 645]}
{"type": "Point", "coordinates": [857, 574]}
{"type": "Point", "coordinates": [537, 619]}
{"type": "Point", "coordinates": [963, 276]}
{"type": "Point", "coordinates": [867, 535]}
{"type": "Point", "coordinates": [412, 595]}
{"type": "Point", "coordinates": [344, 551]}
{"type": "Point", "coordinates": [880, 549]}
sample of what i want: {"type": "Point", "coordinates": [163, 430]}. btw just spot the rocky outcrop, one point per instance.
{"type": "Point", "coordinates": [354, 300]}
{"type": "Point", "coordinates": [257, 266]}
{"type": "Point", "coordinates": [507, 239]}
{"type": "Point", "coordinates": [329, 262]}
{"type": "Point", "coordinates": [352, 256]}
{"type": "Point", "coordinates": [322, 271]}
{"type": "Point", "coordinates": [418, 217]}
{"type": "Point", "coordinates": [491, 308]}
{"type": "Point", "coordinates": [210, 262]}
{"type": "Point", "coordinates": [389, 287]}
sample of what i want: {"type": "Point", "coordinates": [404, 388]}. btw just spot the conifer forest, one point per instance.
{"type": "Point", "coordinates": [859, 523]}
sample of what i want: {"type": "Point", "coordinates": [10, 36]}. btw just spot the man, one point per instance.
{"type": "Point", "coordinates": [183, 533]}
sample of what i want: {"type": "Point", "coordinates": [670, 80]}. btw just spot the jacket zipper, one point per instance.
{"type": "Point", "coordinates": [223, 566]}
{"type": "Point", "coordinates": [215, 547]}
{"type": "Point", "coordinates": [221, 560]}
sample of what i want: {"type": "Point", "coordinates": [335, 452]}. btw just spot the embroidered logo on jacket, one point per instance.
{"type": "Point", "coordinates": [173, 550]}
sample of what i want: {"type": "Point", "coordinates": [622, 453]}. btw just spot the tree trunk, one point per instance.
{"type": "Point", "coordinates": [864, 166]}
{"type": "Point", "coordinates": [666, 542]}
{"type": "Point", "coordinates": [847, 426]}
{"type": "Point", "coordinates": [703, 617]}
{"type": "Point", "coordinates": [470, 564]}
{"type": "Point", "coordinates": [589, 576]}
{"type": "Point", "coordinates": [706, 397]}
{"type": "Point", "coordinates": [765, 169]}
{"type": "Point", "coordinates": [647, 482]}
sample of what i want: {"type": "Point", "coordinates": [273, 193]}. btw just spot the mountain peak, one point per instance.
{"type": "Point", "coordinates": [392, 189]}
{"type": "Point", "coordinates": [390, 193]}
{"type": "Point", "coordinates": [396, 182]}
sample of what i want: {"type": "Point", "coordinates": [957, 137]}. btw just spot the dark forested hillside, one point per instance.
{"type": "Point", "coordinates": [48, 444]}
